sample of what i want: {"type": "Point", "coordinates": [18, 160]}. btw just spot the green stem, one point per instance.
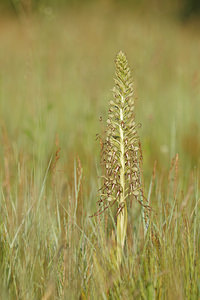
{"type": "Point", "coordinates": [122, 217]}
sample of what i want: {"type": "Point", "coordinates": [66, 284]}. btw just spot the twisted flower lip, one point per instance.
{"type": "Point", "coordinates": [120, 161]}
{"type": "Point", "coordinates": [121, 145]}
{"type": "Point", "coordinates": [121, 156]}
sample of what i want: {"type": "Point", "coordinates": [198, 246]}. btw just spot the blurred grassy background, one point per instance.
{"type": "Point", "coordinates": [57, 71]}
{"type": "Point", "coordinates": [56, 75]}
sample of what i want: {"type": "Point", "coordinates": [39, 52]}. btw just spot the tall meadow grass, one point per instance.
{"type": "Point", "coordinates": [54, 85]}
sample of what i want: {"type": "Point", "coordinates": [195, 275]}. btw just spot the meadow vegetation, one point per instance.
{"type": "Point", "coordinates": [56, 74]}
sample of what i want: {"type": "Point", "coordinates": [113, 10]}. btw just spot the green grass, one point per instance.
{"type": "Point", "coordinates": [55, 80]}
